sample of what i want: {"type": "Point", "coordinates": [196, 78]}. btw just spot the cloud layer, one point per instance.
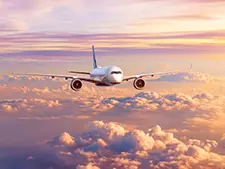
{"type": "Point", "coordinates": [153, 101]}
{"type": "Point", "coordinates": [191, 77]}
{"type": "Point", "coordinates": [70, 44]}
{"type": "Point", "coordinates": [193, 111]}
{"type": "Point", "coordinates": [112, 146]}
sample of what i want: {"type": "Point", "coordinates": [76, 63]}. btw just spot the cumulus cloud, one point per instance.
{"type": "Point", "coordinates": [34, 85]}
{"type": "Point", "coordinates": [8, 108]}
{"type": "Point", "coordinates": [65, 139]}
{"type": "Point", "coordinates": [27, 104]}
{"type": "Point", "coordinates": [190, 77]}
{"type": "Point", "coordinates": [12, 78]}
{"type": "Point", "coordinates": [198, 114]}
{"type": "Point", "coordinates": [153, 101]}
{"type": "Point", "coordinates": [112, 146]}
{"type": "Point", "coordinates": [88, 166]}
{"type": "Point", "coordinates": [195, 112]}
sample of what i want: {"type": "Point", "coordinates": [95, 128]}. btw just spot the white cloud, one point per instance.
{"type": "Point", "coordinates": [202, 112]}
{"type": "Point", "coordinates": [88, 166]}
{"type": "Point", "coordinates": [153, 101]}
{"type": "Point", "coordinates": [199, 112]}
{"type": "Point", "coordinates": [8, 108]}
{"type": "Point", "coordinates": [27, 104]}
{"type": "Point", "coordinates": [191, 77]}
{"type": "Point", "coordinates": [65, 139]}
{"type": "Point", "coordinates": [110, 145]}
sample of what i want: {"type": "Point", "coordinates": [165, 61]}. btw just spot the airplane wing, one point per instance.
{"type": "Point", "coordinates": [76, 72]}
{"type": "Point", "coordinates": [148, 74]}
{"type": "Point", "coordinates": [61, 76]}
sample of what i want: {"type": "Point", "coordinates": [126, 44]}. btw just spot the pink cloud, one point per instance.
{"type": "Point", "coordinates": [10, 106]}
{"type": "Point", "coordinates": [88, 166]}
{"type": "Point", "coordinates": [191, 77]}
{"type": "Point", "coordinates": [138, 149]}
{"type": "Point", "coordinates": [65, 40]}
{"type": "Point", "coordinates": [65, 139]}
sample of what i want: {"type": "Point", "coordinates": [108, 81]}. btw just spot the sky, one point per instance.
{"type": "Point", "coordinates": [176, 121]}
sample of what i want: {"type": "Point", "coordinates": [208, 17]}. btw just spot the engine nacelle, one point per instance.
{"type": "Point", "coordinates": [139, 83]}
{"type": "Point", "coordinates": [76, 84]}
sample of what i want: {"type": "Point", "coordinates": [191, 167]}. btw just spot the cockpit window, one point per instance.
{"type": "Point", "coordinates": [116, 72]}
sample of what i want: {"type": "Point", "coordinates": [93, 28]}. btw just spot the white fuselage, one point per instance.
{"type": "Point", "coordinates": [110, 75]}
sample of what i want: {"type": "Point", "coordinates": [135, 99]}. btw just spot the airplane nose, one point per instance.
{"type": "Point", "coordinates": [117, 79]}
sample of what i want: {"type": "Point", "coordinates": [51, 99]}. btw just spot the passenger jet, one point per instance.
{"type": "Point", "coordinates": [102, 76]}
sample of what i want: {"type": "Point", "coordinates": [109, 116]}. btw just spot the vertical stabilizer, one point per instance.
{"type": "Point", "coordinates": [94, 58]}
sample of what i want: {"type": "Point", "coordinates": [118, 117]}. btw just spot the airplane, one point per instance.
{"type": "Point", "coordinates": [102, 76]}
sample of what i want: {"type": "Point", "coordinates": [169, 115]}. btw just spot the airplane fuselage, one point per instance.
{"type": "Point", "coordinates": [110, 75]}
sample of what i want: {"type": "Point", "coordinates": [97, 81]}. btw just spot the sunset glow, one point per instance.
{"type": "Point", "coordinates": [176, 121]}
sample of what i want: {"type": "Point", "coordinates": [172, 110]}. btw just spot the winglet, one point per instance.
{"type": "Point", "coordinates": [190, 67]}
{"type": "Point", "coordinates": [94, 58]}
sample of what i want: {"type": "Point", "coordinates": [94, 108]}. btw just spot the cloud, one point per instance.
{"type": "Point", "coordinates": [33, 87]}
{"type": "Point", "coordinates": [65, 139]}
{"type": "Point", "coordinates": [10, 106]}
{"type": "Point", "coordinates": [186, 1]}
{"type": "Point", "coordinates": [34, 157]}
{"type": "Point", "coordinates": [193, 112]}
{"type": "Point", "coordinates": [199, 114]}
{"type": "Point", "coordinates": [173, 19]}
{"type": "Point", "coordinates": [35, 37]}
{"type": "Point", "coordinates": [190, 77]}
{"type": "Point", "coordinates": [190, 17]}
{"type": "Point", "coordinates": [31, 8]}
{"type": "Point", "coordinates": [88, 166]}
{"type": "Point", "coordinates": [11, 26]}
{"type": "Point", "coordinates": [153, 101]}
{"type": "Point", "coordinates": [112, 146]}
{"type": "Point", "coordinates": [7, 79]}
{"type": "Point", "coordinates": [72, 117]}
{"type": "Point", "coordinates": [207, 1]}
{"type": "Point", "coordinates": [25, 5]}
{"type": "Point", "coordinates": [59, 44]}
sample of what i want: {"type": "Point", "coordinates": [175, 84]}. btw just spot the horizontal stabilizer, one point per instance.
{"type": "Point", "coordinates": [84, 73]}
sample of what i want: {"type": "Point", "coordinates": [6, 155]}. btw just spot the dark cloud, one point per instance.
{"type": "Point", "coordinates": [28, 157]}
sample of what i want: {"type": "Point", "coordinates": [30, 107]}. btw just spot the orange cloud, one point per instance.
{"type": "Point", "coordinates": [138, 149]}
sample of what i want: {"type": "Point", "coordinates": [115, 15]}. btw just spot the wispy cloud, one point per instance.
{"type": "Point", "coordinates": [190, 77]}
{"type": "Point", "coordinates": [68, 44]}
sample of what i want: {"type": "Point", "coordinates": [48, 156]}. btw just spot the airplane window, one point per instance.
{"type": "Point", "coordinates": [116, 72]}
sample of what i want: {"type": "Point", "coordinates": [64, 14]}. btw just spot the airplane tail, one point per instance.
{"type": "Point", "coordinates": [94, 64]}
{"type": "Point", "coordinates": [94, 58]}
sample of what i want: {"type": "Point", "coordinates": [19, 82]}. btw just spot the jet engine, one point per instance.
{"type": "Point", "coordinates": [76, 84]}
{"type": "Point", "coordinates": [139, 83]}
